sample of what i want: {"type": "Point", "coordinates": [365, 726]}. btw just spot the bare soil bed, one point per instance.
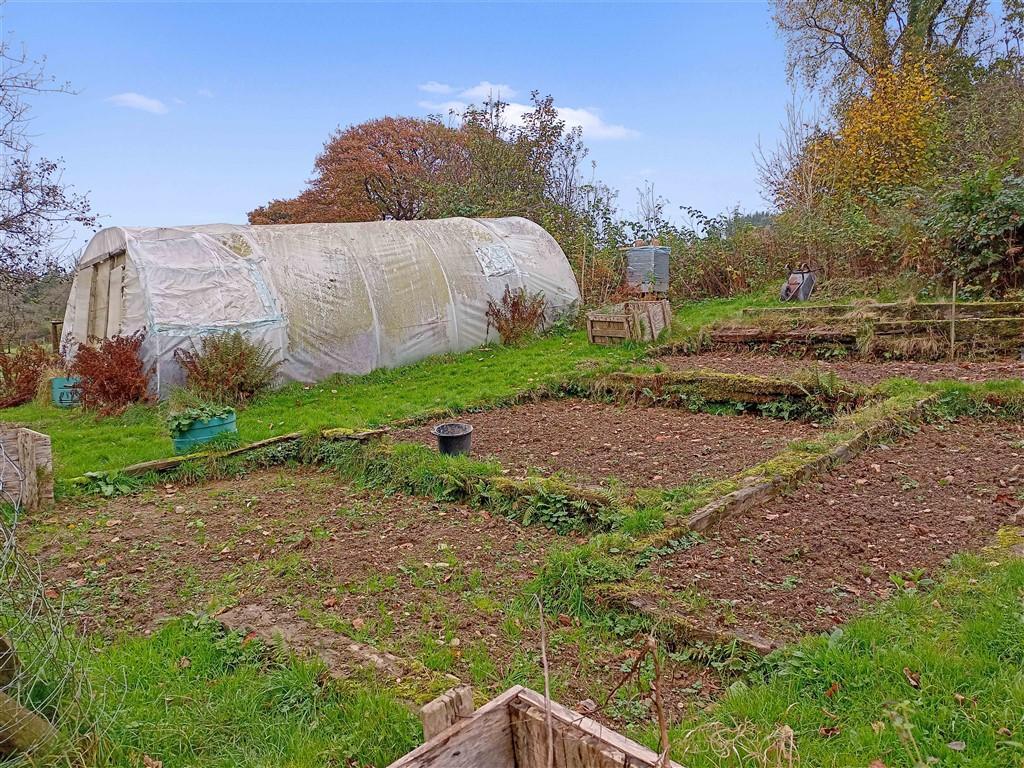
{"type": "Point", "coordinates": [807, 561]}
{"type": "Point", "coordinates": [641, 447]}
{"type": "Point", "coordinates": [859, 371]}
{"type": "Point", "coordinates": [144, 552]}
{"type": "Point", "coordinates": [432, 587]}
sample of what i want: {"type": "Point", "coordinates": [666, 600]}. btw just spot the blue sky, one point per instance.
{"type": "Point", "coordinates": [194, 113]}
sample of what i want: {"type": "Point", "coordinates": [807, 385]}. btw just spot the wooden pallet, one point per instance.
{"type": "Point", "coordinates": [629, 321]}
{"type": "Point", "coordinates": [511, 731]}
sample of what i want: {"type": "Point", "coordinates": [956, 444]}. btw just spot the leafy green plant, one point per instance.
{"type": "Point", "coordinates": [110, 484]}
{"type": "Point", "coordinates": [180, 422]}
{"type": "Point", "coordinates": [780, 409]}
{"type": "Point", "coordinates": [671, 547]}
{"type": "Point", "coordinates": [555, 511]}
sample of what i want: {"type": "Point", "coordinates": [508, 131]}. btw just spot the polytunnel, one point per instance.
{"type": "Point", "coordinates": [325, 298]}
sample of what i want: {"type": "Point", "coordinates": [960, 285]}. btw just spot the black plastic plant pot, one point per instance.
{"type": "Point", "coordinates": [453, 438]}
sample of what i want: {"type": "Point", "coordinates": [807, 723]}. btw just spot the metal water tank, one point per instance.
{"type": "Point", "coordinates": [647, 268]}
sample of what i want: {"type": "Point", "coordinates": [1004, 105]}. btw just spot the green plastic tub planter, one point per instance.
{"type": "Point", "coordinates": [64, 391]}
{"type": "Point", "coordinates": [200, 430]}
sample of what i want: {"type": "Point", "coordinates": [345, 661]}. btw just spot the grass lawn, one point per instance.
{"type": "Point", "coordinates": [192, 695]}
{"type": "Point", "coordinates": [83, 442]}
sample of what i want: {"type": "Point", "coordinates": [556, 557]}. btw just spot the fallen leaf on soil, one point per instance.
{"type": "Point", "coordinates": [112, 523]}
{"type": "Point", "coordinates": [184, 662]}
{"type": "Point", "coordinates": [828, 731]}
{"type": "Point", "coordinates": [914, 678]}
{"type": "Point", "coordinates": [358, 623]}
{"type": "Point", "coordinates": [51, 594]}
{"type": "Point", "coordinates": [564, 620]}
{"type": "Point", "coordinates": [330, 602]}
{"type": "Point", "coordinates": [151, 762]}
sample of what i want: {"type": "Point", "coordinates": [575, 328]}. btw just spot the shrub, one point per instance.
{"type": "Point", "coordinates": [517, 316]}
{"type": "Point", "coordinates": [228, 368]}
{"type": "Point", "coordinates": [111, 372]}
{"type": "Point", "coordinates": [981, 221]}
{"type": "Point", "coordinates": [21, 372]}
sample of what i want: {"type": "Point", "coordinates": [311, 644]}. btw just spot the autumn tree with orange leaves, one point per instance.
{"type": "Point", "coordinates": [411, 168]}
{"type": "Point", "coordinates": [381, 169]}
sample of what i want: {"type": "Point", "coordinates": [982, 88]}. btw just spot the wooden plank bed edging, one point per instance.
{"type": "Point", "coordinates": [162, 465]}
{"type": "Point", "coordinates": [756, 493]}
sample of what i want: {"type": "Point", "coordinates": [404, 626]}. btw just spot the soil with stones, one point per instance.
{"type": "Point", "coordinates": [641, 447]}
{"type": "Point", "coordinates": [806, 562]}
{"type": "Point", "coordinates": [413, 589]}
{"type": "Point", "coordinates": [858, 371]}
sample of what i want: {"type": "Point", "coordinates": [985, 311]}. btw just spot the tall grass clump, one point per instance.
{"type": "Point", "coordinates": [228, 700]}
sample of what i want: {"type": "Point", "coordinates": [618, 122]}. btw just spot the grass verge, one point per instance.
{"type": "Point", "coordinates": [927, 678]}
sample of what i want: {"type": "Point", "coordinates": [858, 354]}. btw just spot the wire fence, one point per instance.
{"type": "Point", "coordinates": [44, 697]}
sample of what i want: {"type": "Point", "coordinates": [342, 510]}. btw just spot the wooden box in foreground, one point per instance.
{"type": "Point", "coordinates": [511, 731]}
{"type": "Point", "coordinates": [629, 321]}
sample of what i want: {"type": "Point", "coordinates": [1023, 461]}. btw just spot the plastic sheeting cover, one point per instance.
{"type": "Point", "coordinates": [326, 298]}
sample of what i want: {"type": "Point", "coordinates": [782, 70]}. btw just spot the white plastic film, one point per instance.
{"type": "Point", "coordinates": [326, 298]}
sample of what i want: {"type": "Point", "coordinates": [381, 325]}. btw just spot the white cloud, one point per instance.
{"type": "Point", "coordinates": [432, 86]}
{"type": "Point", "coordinates": [593, 126]}
{"type": "Point", "coordinates": [486, 90]}
{"type": "Point", "coordinates": [206, 93]}
{"type": "Point", "coordinates": [133, 100]}
{"type": "Point", "coordinates": [587, 119]}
